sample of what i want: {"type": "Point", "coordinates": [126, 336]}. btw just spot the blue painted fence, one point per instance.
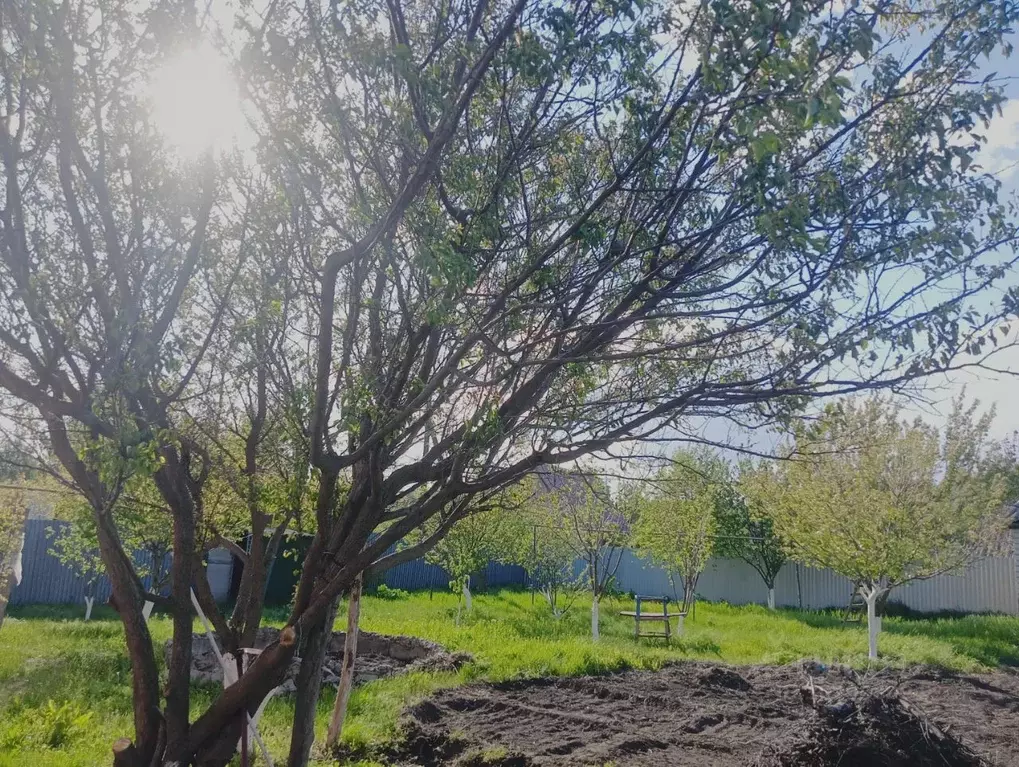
{"type": "Point", "coordinates": [45, 580]}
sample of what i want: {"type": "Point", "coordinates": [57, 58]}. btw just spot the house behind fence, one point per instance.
{"type": "Point", "coordinates": [991, 585]}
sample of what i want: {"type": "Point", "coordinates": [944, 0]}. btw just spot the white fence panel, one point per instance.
{"type": "Point", "coordinates": [991, 585]}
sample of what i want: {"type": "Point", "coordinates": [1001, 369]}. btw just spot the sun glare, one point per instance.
{"type": "Point", "coordinates": [195, 103]}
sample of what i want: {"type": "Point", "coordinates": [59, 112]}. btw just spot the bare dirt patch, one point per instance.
{"type": "Point", "coordinates": [378, 656]}
{"type": "Point", "coordinates": [703, 715]}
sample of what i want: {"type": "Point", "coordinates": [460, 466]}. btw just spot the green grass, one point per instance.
{"type": "Point", "coordinates": [65, 685]}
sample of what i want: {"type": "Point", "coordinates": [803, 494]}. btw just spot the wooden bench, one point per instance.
{"type": "Point", "coordinates": [641, 615]}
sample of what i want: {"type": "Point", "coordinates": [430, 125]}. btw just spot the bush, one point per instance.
{"type": "Point", "coordinates": [385, 592]}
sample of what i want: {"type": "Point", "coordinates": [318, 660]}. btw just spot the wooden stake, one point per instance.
{"type": "Point", "coordinates": [347, 672]}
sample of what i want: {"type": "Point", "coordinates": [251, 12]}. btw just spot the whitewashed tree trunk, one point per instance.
{"type": "Point", "coordinates": [468, 602]}
{"type": "Point", "coordinates": [89, 601]}
{"type": "Point", "coordinates": [147, 609]}
{"type": "Point", "coordinates": [873, 621]}
{"type": "Point", "coordinates": [771, 598]}
{"type": "Point", "coordinates": [10, 566]}
{"type": "Point", "coordinates": [347, 671]}
{"type": "Point", "coordinates": [595, 629]}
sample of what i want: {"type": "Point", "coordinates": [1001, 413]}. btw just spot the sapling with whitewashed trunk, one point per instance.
{"type": "Point", "coordinates": [676, 526]}
{"type": "Point", "coordinates": [579, 513]}
{"type": "Point", "coordinates": [885, 501]}
{"type": "Point", "coordinates": [746, 532]}
{"type": "Point", "coordinates": [476, 534]}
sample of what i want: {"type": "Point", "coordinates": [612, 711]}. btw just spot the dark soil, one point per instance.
{"type": "Point", "coordinates": [696, 714]}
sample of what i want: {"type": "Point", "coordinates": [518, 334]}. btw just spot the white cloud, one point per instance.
{"type": "Point", "coordinates": [1000, 155]}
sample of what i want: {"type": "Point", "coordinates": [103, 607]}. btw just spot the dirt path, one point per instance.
{"type": "Point", "coordinates": [708, 716]}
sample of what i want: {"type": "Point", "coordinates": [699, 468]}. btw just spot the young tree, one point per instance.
{"type": "Point", "coordinates": [549, 559]}
{"type": "Point", "coordinates": [527, 230]}
{"type": "Point", "coordinates": [142, 529]}
{"type": "Point", "coordinates": [676, 524]}
{"type": "Point", "coordinates": [472, 542]}
{"type": "Point", "coordinates": [884, 501]}
{"type": "Point", "coordinates": [581, 514]}
{"type": "Point", "coordinates": [745, 531]}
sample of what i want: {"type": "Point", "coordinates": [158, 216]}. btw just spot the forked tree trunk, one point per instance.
{"type": "Point", "coordinates": [309, 685]}
{"type": "Point", "coordinates": [871, 596]}
{"type": "Point", "coordinates": [347, 672]}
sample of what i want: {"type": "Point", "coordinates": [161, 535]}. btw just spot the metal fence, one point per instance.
{"type": "Point", "coordinates": [987, 586]}
{"type": "Point", "coordinates": [46, 580]}
{"type": "Point", "coordinates": [991, 585]}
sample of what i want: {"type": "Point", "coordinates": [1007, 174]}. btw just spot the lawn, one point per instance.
{"type": "Point", "coordinates": [65, 684]}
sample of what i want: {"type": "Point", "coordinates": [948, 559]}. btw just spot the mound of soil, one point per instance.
{"type": "Point", "coordinates": [702, 715]}
{"type": "Point", "coordinates": [378, 656]}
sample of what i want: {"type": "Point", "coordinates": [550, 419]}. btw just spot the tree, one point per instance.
{"type": "Point", "coordinates": [676, 525]}
{"type": "Point", "coordinates": [884, 501]}
{"type": "Point", "coordinates": [143, 525]}
{"type": "Point", "coordinates": [472, 542]}
{"type": "Point", "coordinates": [520, 233]}
{"type": "Point", "coordinates": [549, 559]}
{"type": "Point", "coordinates": [745, 531]}
{"type": "Point", "coordinates": [582, 515]}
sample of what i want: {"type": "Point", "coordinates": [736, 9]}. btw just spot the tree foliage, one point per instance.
{"type": "Point", "coordinates": [477, 239]}
{"type": "Point", "coordinates": [885, 501]}
{"type": "Point", "coordinates": [677, 523]}
{"type": "Point", "coordinates": [745, 531]}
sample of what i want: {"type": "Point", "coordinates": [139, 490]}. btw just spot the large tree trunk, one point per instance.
{"type": "Point", "coordinates": [309, 685]}
{"type": "Point", "coordinates": [144, 671]}
{"type": "Point", "coordinates": [347, 672]}
{"type": "Point", "coordinates": [178, 685]}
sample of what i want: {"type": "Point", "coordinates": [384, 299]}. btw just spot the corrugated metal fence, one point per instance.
{"type": "Point", "coordinates": [988, 586]}
{"type": "Point", "coordinates": [46, 580]}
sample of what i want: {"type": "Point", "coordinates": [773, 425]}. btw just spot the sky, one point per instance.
{"type": "Point", "coordinates": [1000, 156]}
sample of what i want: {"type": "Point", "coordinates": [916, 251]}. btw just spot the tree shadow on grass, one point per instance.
{"type": "Point", "coordinates": [992, 640]}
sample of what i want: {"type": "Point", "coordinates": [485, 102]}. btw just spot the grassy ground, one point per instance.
{"type": "Point", "coordinates": [65, 684]}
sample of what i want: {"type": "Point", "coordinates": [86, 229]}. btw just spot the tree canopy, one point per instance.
{"type": "Point", "coordinates": [884, 501]}
{"type": "Point", "coordinates": [470, 240]}
{"type": "Point", "coordinates": [677, 523]}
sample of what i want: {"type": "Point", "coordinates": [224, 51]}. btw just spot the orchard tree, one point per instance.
{"type": "Point", "coordinates": [745, 531]}
{"type": "Point", "coordinates": [676, 524]}
{"type": "Point", "coordinates": [581, 514]}
{"type": "Point", "coordinates": [550, 560]}
{"type": "Point", "coordinates": [474, 540]}
{"type": "Point", "coordinates": [144, 527]}
{"type": "Point", "coordinates": [519, 233]}
{"type": "Point", "coordinates": [884, 501]}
